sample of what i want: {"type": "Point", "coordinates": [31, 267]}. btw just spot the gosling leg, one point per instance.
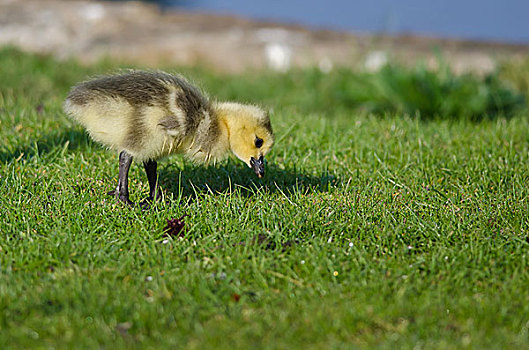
{"type": "Point", "coordinates": [122, 191]}
{"type": "Point", "coordinates": [150, 168]}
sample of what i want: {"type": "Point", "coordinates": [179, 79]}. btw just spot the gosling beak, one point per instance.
{"type": "Point", "coordinates": [257, 166]}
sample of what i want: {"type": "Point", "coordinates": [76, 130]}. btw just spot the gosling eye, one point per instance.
{"type": "Point", "coordinates": [258, 142]}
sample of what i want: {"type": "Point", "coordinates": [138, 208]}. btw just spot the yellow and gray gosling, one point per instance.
{"type": "Point", "coordinates": [149, 115]}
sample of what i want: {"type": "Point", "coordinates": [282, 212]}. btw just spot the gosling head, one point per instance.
{"type": "Point", "coordinates": [249, 133]}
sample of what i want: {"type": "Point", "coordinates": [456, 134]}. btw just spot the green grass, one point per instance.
{"type": "Point", "coordinates": [368, 231]}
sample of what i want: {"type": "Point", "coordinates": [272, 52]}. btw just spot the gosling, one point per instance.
{"type": "Point", "coordinates": [150, 115]}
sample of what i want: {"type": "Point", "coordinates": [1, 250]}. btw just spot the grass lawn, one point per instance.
{"type": "Point", "coordinates": [367, 231]}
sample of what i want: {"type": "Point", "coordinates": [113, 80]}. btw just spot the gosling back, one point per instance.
{"type": "Point", "coordinates": [148, 114]}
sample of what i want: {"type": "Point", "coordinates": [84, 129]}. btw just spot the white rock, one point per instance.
{"type": "Point", "coordinates": [278, 56]}
{"type": "Point", "coordinates": [93, 12]}
{"type": "Point", "coordinates": [325, 65]}
{"type": "Point", "coordinates": [375, 61]}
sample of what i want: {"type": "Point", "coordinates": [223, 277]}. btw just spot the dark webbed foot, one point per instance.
{"type": "Point", "coordinates": [146, 204]}
{"type": "Point", "coordinates": [125, 200]}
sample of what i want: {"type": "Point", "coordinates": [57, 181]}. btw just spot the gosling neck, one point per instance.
{"type": "Point", "coordinates": [219, 132]}
{"type": "Point", "coordinates": [223, 120]}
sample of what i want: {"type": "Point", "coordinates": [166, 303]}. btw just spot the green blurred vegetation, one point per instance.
{"type": "Point", "coordinates": [418, 92]}
{"type": "Point", "coordinates": [516, 72]}
{"type": "Point", "coordinates": [428, 93]}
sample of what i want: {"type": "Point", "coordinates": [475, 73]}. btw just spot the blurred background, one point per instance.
{"type": "Point", "coordinates": [468, 19]}
{"type": "Point", "coordinates": [235, 35]}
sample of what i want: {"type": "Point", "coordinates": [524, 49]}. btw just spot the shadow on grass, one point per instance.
{"type": "Point", "coordinates": [230, 176]}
